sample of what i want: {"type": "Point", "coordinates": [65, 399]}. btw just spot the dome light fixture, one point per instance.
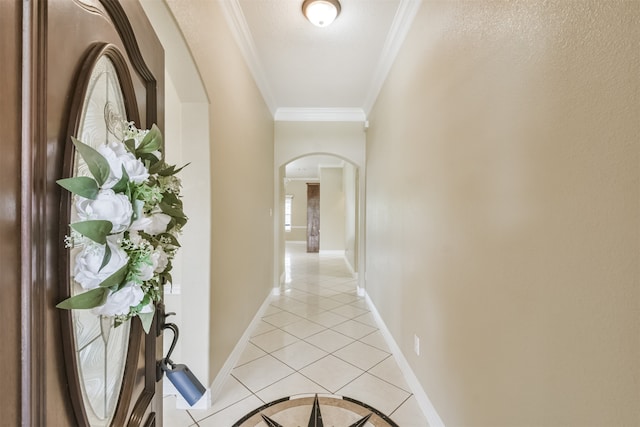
{"type": "Point", "coordinates": [321, 13]}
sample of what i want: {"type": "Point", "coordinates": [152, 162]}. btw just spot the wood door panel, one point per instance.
{"type": "Point", "coordinates": [313, 217]}
{"type": "Point", "coordinates": [10, 246]}
{"type": "Point", "coordinates": [58, 35]}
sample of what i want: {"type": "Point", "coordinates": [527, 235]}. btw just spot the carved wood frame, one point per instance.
{"type": "Point", "coordinates": [96, 52]}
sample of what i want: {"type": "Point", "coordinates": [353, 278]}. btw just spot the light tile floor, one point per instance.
{"type": "Point", "coordinates": [318, 337]}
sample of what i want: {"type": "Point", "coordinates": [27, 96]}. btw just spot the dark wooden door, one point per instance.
{"type": "Point", "coordinates": [313, 217]}
{"type": "Point", "coordinates": [45, 45]}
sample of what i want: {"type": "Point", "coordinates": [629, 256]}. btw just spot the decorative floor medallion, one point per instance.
{"type": "Point", "coordinates": [315, 411]}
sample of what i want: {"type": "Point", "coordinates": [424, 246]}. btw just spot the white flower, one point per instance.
{"type": "Point", "coordinates": [153, 224]}
{"type": "Point", "coordinates": [140, 224]}
{"type": "Point", "coordinates": [107, 206]}
{"type": "Point", "coordinates": [135, 237]}
{"type": "Point", "coordinates": [87, 271]}
{"type": "Point", "coordinates": [119, 302]}
{"type": "Point", "coordinates": [146, 271]}
{"type": "Point", "coordinates": [160, 259]}
{"type": "Point", "coordinates": [117, 155]}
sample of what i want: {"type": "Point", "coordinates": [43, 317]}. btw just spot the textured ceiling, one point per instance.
{"type": "Point", "coordinates": [306, 71]}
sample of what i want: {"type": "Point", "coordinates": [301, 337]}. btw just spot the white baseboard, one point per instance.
{"type": "Point", "coordinates": [225, 371]}
{"type": "Point", "coordinates": [425, 404]}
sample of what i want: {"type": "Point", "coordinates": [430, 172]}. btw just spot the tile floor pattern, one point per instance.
{"type": "Point", "coordinates": [318, 337]}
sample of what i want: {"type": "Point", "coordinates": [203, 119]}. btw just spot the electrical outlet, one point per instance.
{"type": "Point", "coordinates": [416, 344]}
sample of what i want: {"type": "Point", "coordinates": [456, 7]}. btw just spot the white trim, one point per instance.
{"type": "Point", "coordinates": [319, 115]}
{"type": "Point", "coordinates": [407, 11]}
{"type": "Point", "coordinates": [238, 25]}
{"type": "Point", "coordinates": [354, 274]}
{"type": "Point", "coordinates": [225, 371]}
{"type": "Point", "coordinates": [425, 404]}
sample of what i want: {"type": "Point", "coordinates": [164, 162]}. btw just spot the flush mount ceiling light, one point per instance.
{"type": "Point", "coordinates": [321, 13]}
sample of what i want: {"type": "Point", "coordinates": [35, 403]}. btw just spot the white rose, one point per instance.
{"type": "Point", "coordinates": [120, 301]}
{"type": "Point", "coordinates": [87, 271]}
{"type": "Point", "coordinates": [117, 155]}
{"type": "Point", "coordinates": [141, 223]}
{"type": "Point", "coordinates": [153, 224]}
{"type": "Point", "coordinates": [160, 260]}
{"type": "Point", "coordinates": [109, 206]}
{"type": "Point", "coordinates": [135, 238]}
{"type": "Point", "coordinates": [146, 271]}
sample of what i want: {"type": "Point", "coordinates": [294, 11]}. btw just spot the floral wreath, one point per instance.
{"type": "Point", "coordinates": [130, 216]}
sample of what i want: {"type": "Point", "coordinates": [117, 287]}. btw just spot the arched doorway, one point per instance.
{"type": "Point", "coordinates": [337, 179]}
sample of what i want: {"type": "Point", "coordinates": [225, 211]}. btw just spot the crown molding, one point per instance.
{"type": "Point", "coordinates": [400, 27]}
{"type": "Point", "coordinates": [238, 25]}
{"type": "Point", "coordinates": [319, 115]}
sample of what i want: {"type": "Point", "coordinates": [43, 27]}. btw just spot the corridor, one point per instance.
{"type": "Point", "coordinates": [318, 337]}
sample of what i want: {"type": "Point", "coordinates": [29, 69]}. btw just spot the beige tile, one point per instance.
{"type": "Point", "coordinates": [261, 328]}
{"type": "Point", "coordinates": [375, 392]}
{"type": "Point", "coordinates": [377, 340]}
{"type": "Point", "coordinates": [281, 319]}
{"type": "Point", "coordinates": [303, 328]}
{"type": "Point", "coordinates": [346, 298]}
{"type": "Point", "coordinates": [329, 340]}
{"type": "Point", "coordinates": [271, 309]}
{"type": "Point", "coordinates": [292, 385]}
{"type": "Point", "coordinates": [349, 311]}
{"type": "Point", "coordinates": [389, 371]}
{"type": "Point", "coordinates": [353, 329]}
{"type": "Point", "coordinates": [307, 310]}
{"type": "Point", "coordinates": [230, 415]}
{"type": "Point", "coordinates": [331, 373]}
{"type": "Point", "coordinates": [299, 354]}
{"type": "Point", "coordinates": [361, 303]}
{"type": "Point", "coordinates": [409, 414]}
{"type": "Point", "coordinates": [361, 355]}
{"type": "Point", "coordinates": [175, 417]}
{"type": "Point", "coordinates": [366, 318]}
{"type": "Point", "coordinates": [250, 352]}
{"type": "Point", "coordinates": [273, 340]}
{"type": "Point", "coordinates": [329, 304]}
{"type": "Point", "coordinates": [327, 319]}
{"type": "Point", "coordinates": [232, 392]}
{"type": "Point", "coordinates": [261, 372]}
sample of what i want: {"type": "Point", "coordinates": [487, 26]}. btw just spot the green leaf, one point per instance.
{"type": "Point", "coordinates": [131, 145]}
{"type": "Point", "coordinates": [96, 163]}
{"type": "Point", "coordinates": [106, 258]}
{"type": "Point", "coordinates": [151, 142]}
{"type": "Point", "coordinates": [81, 185]}
{"type": "Point", "coordinates": [170, 237]}
{"type": "Point", "coordinates": [175, 212]}
{"type": "Point", "coordinates": [171, 170]}
{"type": "Point", "coordinates": [147, 319]}
{"type": "Point", "coordinates": [149, 160]}
{"type": "Point", "coordinates": [171, 199]}
{"type": "Point", "coordinates": [121, 186]}
{"type": "Point", "coordinates": [96, 230]}
{"type": "Point", "coordinates": [90, 299]}
{"type": "Point", "coordinates": [116, 279]}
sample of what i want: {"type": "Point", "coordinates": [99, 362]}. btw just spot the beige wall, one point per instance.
{"type": "Point", "coordinates": [242, 195]}
{"type": "Point", "coordinates": [331, 209]}
{"type": "Point", "coordinates": [350, 189]}
{"type": "Point", "coordinates": [503, 210]}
